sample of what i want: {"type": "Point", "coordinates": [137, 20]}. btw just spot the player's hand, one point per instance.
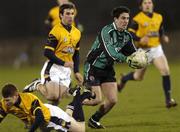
{"type": "Point", "coordinates": [79, 78]}
{"type": "Point", "coordinates": [144, 40]}
{"type": "Point", "coordinates": [165, 39]}
{"type": "Point", "coordinates": [138, 59]}
{"type": "Point", "coordinates": [69, 64]}
{"type": "Point", "coordinates": [132, 63]}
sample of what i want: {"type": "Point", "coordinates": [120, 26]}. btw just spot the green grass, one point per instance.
{"type": "Point", "coordinates": [141, 106]}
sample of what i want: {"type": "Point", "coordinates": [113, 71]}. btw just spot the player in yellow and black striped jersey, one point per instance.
{"type": "Point", "coordinates": [35, 114]}
{"type": "Point", "coordinates": [148, 32]}
{"type": "Point", "coordinates": [62, 52]}
{"type": "Point", "coordinates": [22, 105]}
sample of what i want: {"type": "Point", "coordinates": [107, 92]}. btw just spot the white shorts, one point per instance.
{"type": "Point", "coordinates": [57, 117]}
{"type": "Point", "coordinates": [154, 52]}
{"type": "Point", "coordinates": [56, 73]}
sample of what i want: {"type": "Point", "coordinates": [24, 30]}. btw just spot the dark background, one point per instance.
{"type": "Point", "coordinates": [26, 17]}
{"type": "Point", "coordinates": [22, 29]}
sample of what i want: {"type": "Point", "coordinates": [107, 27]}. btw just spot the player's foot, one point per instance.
{"type": "Point", "coordinates": [87, 94]}
{"type": "Point", "coordinates": [74, 91]}
{"type": "Point", "coordinates": [94, 124]}
{"type": "Point", "coordinates": [32, 86]}
{"type": "Point", "coordinates": [121, 85]}
{"type": "Point", "coordinates": [171, 103]}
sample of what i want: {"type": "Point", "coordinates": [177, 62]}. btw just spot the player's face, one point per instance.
{"type": "Point", "coordinates": [10, 101]}
{"type": "Point", "coordinates": [68, 16]}
{"type": "Point", "coordinates": [147, 6]}
{"type": "Point", "coordinates": [122, 21]}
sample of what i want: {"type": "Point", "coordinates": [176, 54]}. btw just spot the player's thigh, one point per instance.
{"type": "Point", "coordinates": [162, 65]}
{"type": "Point", "coordinates": [109, 90]}
{"type": "Point", "coordinates": [77, 126]}
{"type": "Point", "coordinates": [53, 89]}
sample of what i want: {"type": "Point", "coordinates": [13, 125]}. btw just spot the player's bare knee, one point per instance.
{"type": "Point", "coordinates": [138, 78]}
{"type": "Point", "coordinates": [113, 101]}
{"type": "Point", "coordinates": [164, 72]}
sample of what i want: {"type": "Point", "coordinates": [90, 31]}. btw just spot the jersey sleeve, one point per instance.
{"type": "Point", "coordinates": [35, 106]}
{"type": "Point", "coordinates": [132, 29]}
{"type": "Point", "coordinates": [51, 42]}
{"type": "Point", "coordinates": [2, 112]}
{"type": "Point", "coordinates": [37, 112]}
{"type": "Point", "coordinates": [109, 47]}
{"type": "Point", "coordinates": [129, 47]}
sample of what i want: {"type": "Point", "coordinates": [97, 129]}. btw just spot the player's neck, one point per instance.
{"type": "Point", "coordinates": [149, 14]}
{"type": "Point", "coordinates": [18, 101]}
{"type": "Point", "coordinates": [66, 26]}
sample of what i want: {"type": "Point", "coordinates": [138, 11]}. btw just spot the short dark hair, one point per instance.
{"type": "Point", "coordinates": [117, 11]}
{"type": "Point", "coordinates": [8, 90]}
{"type": "Point", "coordinates": [66, 6]}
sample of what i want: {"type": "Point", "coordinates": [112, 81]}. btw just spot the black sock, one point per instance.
{"type": "Point", "coordinates": [99, 114]}
{"type": "Point", "coordinates": [78, 113]}
{"type": "Point", "coordinates": [167, 87]}
{"type": "Point", "coordinates": [128, 77]}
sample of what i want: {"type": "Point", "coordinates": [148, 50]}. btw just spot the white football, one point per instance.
{"type": "Point", "coordinates": [140, 56]}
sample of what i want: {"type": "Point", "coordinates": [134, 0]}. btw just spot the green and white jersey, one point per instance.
{"type": "Point", "coordinates": [110, 45]}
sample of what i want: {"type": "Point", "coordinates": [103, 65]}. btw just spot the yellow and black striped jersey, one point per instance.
{"type": "Point", "coordinates": [54, 18]}
{"type": "Point", "coordinates": [149, 26]}
{"type": "Point", "coordinates": [27, 105]}
{"type": "Point", "coordinates": [63, 42]}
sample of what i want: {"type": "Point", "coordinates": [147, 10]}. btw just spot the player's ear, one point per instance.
{"type": "Point", "coordinates": [115, 19]}
{"type": "Point", "coordinates": [60, 15]}
{"type": "Point", "coordinates": [16, 94]}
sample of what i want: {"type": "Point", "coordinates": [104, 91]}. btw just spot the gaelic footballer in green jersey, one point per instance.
{"type": "Point", "coordinates": [113, 44]}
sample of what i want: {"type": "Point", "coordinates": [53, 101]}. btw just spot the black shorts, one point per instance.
{"type": "Point", "coordinates": [96, 76]}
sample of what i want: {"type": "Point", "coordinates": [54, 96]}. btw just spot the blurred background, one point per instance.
{"type": "Point", "coordinates": [141, 108]}
{"type": "Point", "coordinates": [23, 32]}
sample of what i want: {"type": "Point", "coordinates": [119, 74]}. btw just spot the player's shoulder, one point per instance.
{"type": "Point", "coordinates": [55, 30]}
{"type": "Point", "coordinates": [3, 105]}
{"type": "Point", "coordinates": [55, 8]}
{"type": "Point", "coordinates": [2, 102]}
{"type": "Point", "coordinates": [157, 14]}
{"type": "Point", "coordinates": [138, 15]}
{"type": "Point", "coordinates": [127, 35]}
{"type": "Point", "coordinates": [126, 32]}
{"type": "Point", "coordinates": [109, 28]}
{"type": "Point", "coordinates": [75, 29]}
{"type": "Point", "coordinates": [27, 96]}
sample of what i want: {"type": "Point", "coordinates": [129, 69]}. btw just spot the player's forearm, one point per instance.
{"type": "Point", "coordinates": [76, 60]}
{"type": "Point", "coordinates": [52, 57]}
{"type": "Point", "coordinates": [112, 53]}
{"type": "Point", "coordinates": [2, 114]}
{"type": "Point", "coordinates": [128, 49]}
{"type": "Point", "coordinates": [39, 119]}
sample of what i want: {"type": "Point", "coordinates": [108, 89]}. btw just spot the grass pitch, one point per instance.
{"type": "Point", "coordinates": [141, 106]}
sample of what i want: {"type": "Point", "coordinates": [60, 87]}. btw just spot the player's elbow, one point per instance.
{"type": "Point", "coordinates": [48, 53]}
